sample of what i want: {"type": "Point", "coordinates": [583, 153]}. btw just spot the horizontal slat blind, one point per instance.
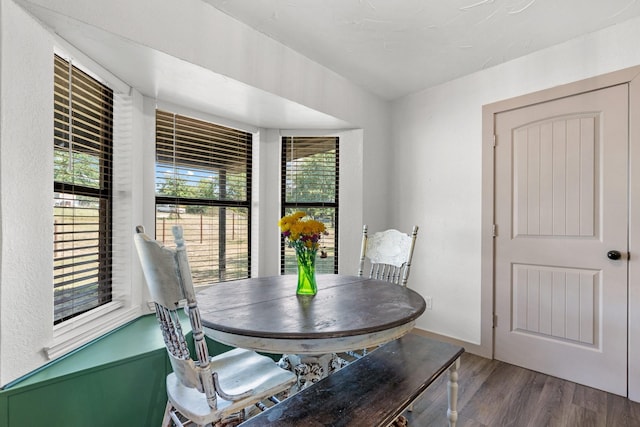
{"type": "Point", "coordinates": [83, 151]}
{"type": "Point", "coordinates": [203, 182]}
{"type": "Point", "coordinates": [310, 177]}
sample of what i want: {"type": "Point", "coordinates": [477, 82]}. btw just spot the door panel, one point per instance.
{"type": "Point", "coordinates": [561, 204]}
{"type": "Point", "coordinates": [558, 303]}
{"type": "Point", "coordinates": [554, 178]}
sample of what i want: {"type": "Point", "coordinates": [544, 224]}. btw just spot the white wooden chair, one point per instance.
{"type": "Point", "coordinates": [206, 390]}
{"type": "Point", "coordinates": [389, 254]}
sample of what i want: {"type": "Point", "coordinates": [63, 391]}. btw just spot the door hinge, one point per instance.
{"type": "Point", "coordinates": [494, 230]}
{"type": "Point", "coordinates": [495, 320]}
{"type": "Point", "coordinates": [494, 140]}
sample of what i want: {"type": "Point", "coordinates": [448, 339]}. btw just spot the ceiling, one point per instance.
{"type": "Point", "coordinates": [397, 47]}
{"type": "Point", "coordinates": [390, 47]}
{"type": "Point", "coordinates": [172, 80]}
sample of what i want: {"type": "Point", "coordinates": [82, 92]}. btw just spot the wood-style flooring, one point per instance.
{"type": "Point", "coordinates": [496, 394]}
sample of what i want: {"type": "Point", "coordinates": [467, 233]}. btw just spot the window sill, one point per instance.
{"type": "Point", "coordinates": [76, 332]}
{"type": "Point", "coordinates": [133, 341]}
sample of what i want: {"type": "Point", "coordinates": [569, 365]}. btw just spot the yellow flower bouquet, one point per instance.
{"type": "Point", "coordinates": [303, 235]}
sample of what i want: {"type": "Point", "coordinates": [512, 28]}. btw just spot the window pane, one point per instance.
{"type": "Point", "coordinates": [82, 148]}
{"type": "Point", "coordinates": [310, 184]}
{"type": "Point", "coordinates": [311, 170]}
{"type": "Point", "coordinates": [79, 284]}
{"type": "Point", "coordinates": [203, 177]}
{"type": "Point", "coordinates": [218, 250]}
{"type": "Point", "coordinates": [326, 259]}
{"type": "Point", "coordinates": [201, 160]}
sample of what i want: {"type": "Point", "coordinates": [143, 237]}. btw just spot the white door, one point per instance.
{"type": "Point", "coordinates": [561, 196]}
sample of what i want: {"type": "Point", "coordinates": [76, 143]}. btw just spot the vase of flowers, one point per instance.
{"type": "Point", "coordinates": [303, 235]}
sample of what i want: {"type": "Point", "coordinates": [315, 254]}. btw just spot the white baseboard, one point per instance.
{"type": "Point", "coordinates": [468, 347]}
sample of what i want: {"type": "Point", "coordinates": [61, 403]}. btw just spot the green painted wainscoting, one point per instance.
{"type": "Point", "coordinates": [116, 380]}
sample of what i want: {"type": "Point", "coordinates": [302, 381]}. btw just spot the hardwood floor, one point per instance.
{"type": "Point", "coordinates": [496, 394]}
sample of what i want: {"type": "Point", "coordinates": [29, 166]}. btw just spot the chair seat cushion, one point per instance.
{"type": "Point", "coordinates": [238, 370]}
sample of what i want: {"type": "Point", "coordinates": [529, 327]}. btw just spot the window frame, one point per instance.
{"type": "Point", "coordinates": [77, 79]}
{"type": "Point", "coordinates": [220, 202]}
{"type": "Point", "coordinates": [126, 305]}
{"type": "Point", "coordinates": [284, 204]}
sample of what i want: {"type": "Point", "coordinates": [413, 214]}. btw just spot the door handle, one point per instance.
{"type": "Point", "coordinates": [614, 255]}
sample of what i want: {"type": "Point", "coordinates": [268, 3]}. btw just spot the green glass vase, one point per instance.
{"type": "Point", "coordinates": [306, 272]}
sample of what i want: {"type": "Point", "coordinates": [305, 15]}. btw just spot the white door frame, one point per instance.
{"type": "Point", "coordinates": [631, 76]}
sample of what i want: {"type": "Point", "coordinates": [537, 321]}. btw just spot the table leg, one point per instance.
{"type": "Point", "coordinates": [452, 393]}
{"type": "Point", "coordinates": [310, 369]}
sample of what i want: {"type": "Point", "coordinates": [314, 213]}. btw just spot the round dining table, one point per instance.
{"type": "Point", "coordinates": [348, 313]}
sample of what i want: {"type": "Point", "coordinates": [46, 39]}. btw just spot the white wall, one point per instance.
{"type": "Point", "coordinates": [28, 338]}
{"type": "Point", "coordinates": [26, 161]}
{"type": "Point", "coordinates": [438, 166]}
{"type": "Point", "coordinates": [189, 30]}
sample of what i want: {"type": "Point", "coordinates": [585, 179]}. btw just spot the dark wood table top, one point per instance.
{"type": "Point", "coordinates": [347, 313]}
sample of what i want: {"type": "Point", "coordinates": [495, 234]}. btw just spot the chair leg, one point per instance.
{"type": "Point", "coordinates": [171, 415]}
{"type": "Point", "coordinates": [166, 420]}
{"type": "Point", "coordinates": [452, 412]}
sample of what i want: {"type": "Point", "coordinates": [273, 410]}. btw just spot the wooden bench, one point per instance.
{"type": "Point", "coordinates": [372, 391]}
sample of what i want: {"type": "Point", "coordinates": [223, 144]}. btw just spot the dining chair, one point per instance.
{"type": "Point", "coordinates": [389, 254]}
{"type": "Point", "coordinates": [206, 390]}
